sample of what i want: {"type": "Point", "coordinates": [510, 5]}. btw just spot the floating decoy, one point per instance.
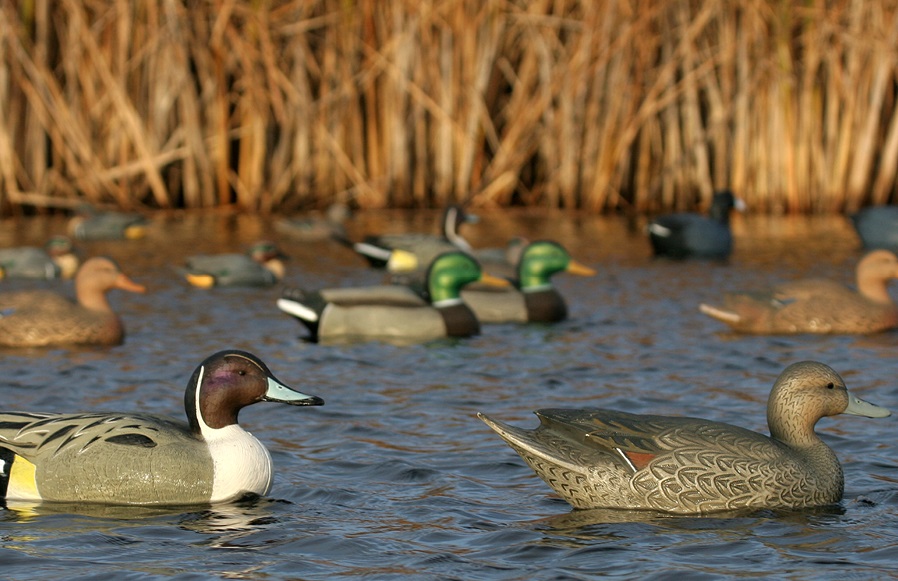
{"type": "Point", "coordinates": [262, 265]}
{"type": "Point", "coordinates": [689, 235]}
{"type": "Point", "coordinates": [92, 224]}
{"type": "Point", "coordinates": [141, 459]}
{"type": "Point", "coordinates": [425, 247]}
{"type": "Point", "coordinates": [39, 318]}
{"type": "Point", "coordinates": [595, 458]}
{"type": "Point", "coordinates": [533, 298]}
{"type": "Point", "coordinates": [817, 306]}
{"type": "Point", "coordinates": [313, 228]}
{"type": "Point", "coordinates": [877, 227]}
{"type": "Point", "coordinates": [392, 311]}
{"type": "Point", "coordinates": [56, 259]}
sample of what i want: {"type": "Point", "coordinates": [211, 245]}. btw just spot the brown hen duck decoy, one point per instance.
{"type": "Point", "coordinates": [606, 459]}
{"type": "Point", "coordinates": [39, 318]}
{"type": "Point", "coordinates": [817, 306]}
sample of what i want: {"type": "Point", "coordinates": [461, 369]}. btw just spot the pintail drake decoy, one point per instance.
{"type": "Point", "coordinates": [391, 311]}
{"type": "Point", "coordinates": [533, 298]}
{"type": "Point", "coordinates": [262, 265]}
{"type": "Point", "coordinates": [690, 235]}
{"type": "Point", "coordinates": [41, 318]}
{"type": "Point", "coordinates": [56, 259]}
{"type": "Point", "coordinates": [315, 228]}
{"type": "Point", "coordinates": [817, 306]}
{"type": "Point", "coordinates": [615, 460]}
{"type": "Point", "coordinates": [377, 249]}
{"type": "Point", "coordinates": [877, 227]}
{"type": "Point", "coordinates": [90, 223]}
{"type": "Point", "coordinates": [142, 459]}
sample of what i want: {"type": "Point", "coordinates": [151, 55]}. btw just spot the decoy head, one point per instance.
{"type": "Point", "coordinates": [451, 271]}
{"type": "Point", "coordinates": [103, 274]}
{"type": "Point", "coordinates": [544, 258]}
{"type": "Point", "coordinates": [228, 381]}
{"type": "Point", "coordinates": [805, 392]}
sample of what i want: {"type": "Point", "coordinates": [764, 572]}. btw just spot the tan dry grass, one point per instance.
{"type": "Point", "coordinates": [640, 105]}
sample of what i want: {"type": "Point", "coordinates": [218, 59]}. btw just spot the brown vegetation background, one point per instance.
{"type": "Point", "coordinates": [602, 105]}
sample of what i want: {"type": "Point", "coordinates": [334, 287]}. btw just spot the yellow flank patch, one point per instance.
{"type": "Point", "coordinates": [135, 232]}
{"type": "Point", "coordinates": [201, 280]}
{"type": "Point", "coordinates": [22, 482]}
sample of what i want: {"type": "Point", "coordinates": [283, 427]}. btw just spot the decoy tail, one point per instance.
{"type": "Point", "coordinates": [719, 314]}
{"type": "Point", "coordinates": [305, 306]}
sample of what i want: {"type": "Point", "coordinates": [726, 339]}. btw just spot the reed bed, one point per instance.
{"type": "Point", "coordinates": [637, 105]}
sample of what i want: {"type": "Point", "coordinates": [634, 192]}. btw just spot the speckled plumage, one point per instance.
{"type": "Point", "coordinates": [40, 318]}
{"type": "Point", "coordinates": [817, 306]}
{"type": "Point", "coordinates": [609, 459]}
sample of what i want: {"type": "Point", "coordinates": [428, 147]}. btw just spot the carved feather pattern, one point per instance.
{"type": "Point", "coordinates": [699, 466]}
{"type": "Point", "coordinates": [35, 434]}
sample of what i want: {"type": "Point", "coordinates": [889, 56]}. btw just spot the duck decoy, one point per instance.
{"type": "Point", "coordinates": [376, 249]}
{"type": "Point", "coordinates": [877, 227]}
{"type": "Point", "coordinates": [262, 265]}
{"type": "Point", "coordinates": [90, 223]}
{"type": "Point", "coordinates": [315, 228]}
{"type": "Point", "coordinates": [817, 306]}
{"type": "Point", "coordinates": [56, 259]}
{"type": "Point", "coordinates": [689, 235]}
{"type": "Point", "coordinates": [40, 318]}
{"type": "Point", "coordinates": [596, 458]}
{"type": "Point", "coordinates": [142, 459]}
{"type": "Point", "coordinates": [532, 298]}
{"type": "Point", "coordinates": [392, 311]}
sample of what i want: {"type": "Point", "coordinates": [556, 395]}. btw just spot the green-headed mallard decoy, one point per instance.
{"type": "Point", "coordinates": [689, 235]}
{"type": "Point", "coordinates": [606, 459]}
{"type": "Point", "coordinates": [817, 306]}
{"type": "Point", "coordinates": [39, 318]}
{"type": "Point", "coordinates": [90, 223]}
{"type": "Point", "coordinates": [142, 459]}
{"type": "Point", "coordinates": [377, 249]}
{"type": "Point", "coordinates": [877, 227]}
{"type": "Point", "coordinates": [533, 298]}
{"type": "Point", "coordinates": [262, 265]}
{"type": "Point", "coordinates": [314, 228]}
{"type": "Point", "coordinates": [56, 259]}
{"type": "Point", "coordinates": [394, 311]}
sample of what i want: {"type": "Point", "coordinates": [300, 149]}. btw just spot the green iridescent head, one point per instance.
{"type": "Point", "coordinates": [449, 273]}
{"type": "Point", "coordinates": [540, 260]}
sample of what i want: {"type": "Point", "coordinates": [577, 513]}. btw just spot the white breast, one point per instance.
{"type": "Point", "coordinates": [240, 461]}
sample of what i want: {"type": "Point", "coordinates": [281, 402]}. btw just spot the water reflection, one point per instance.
{"type": "Point", "coordinates": [396, 478]}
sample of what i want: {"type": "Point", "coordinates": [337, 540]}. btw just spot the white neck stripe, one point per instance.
{"type": "Point", "coordinates": [196, 401]}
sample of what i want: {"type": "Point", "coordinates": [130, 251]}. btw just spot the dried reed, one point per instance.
{"type": "Point", "coordinates": [270, 105]}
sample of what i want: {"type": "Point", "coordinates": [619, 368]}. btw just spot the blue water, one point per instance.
{"type": "Point", "coordinates": [395, 477]}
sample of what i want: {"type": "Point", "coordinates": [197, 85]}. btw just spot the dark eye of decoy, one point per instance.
{"type": "Point", "coordinates": [830, 385]}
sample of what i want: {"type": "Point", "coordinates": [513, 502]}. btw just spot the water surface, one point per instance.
{"type": "Point", "coordinates": [396, 478]}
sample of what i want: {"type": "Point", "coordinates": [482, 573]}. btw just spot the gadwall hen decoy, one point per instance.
{"type": "Point", "coordinates": [142, 459]}
{"type": "Point", "coordinates": [533, 298]}
{"type": "Point", "coordinates": [606, 459]}
{"type": "Point", "coordinates": [262, 266]}
{"type": "Point", "coordinates": [376, 249]}
{"type": "Point", "coordinates": [56, 259]}
{"type": "Point", "coordinates": [877, 227]}
{"type": "Point", "coordinates": [314, 228]}
{"type": "Point", "coordinates": [92, 224]}
{"type": "Point", "coordinates": [817, 306]}
{"type": "Point", "coordinates": [393, 311]}
{"type": "Point", "coordinates": [689, 235]}
{"type": "Point", "coordinates": [40, 318]}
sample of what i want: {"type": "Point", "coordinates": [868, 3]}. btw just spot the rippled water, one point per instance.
{"type": "Point", "coordinates": [396, 478]}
